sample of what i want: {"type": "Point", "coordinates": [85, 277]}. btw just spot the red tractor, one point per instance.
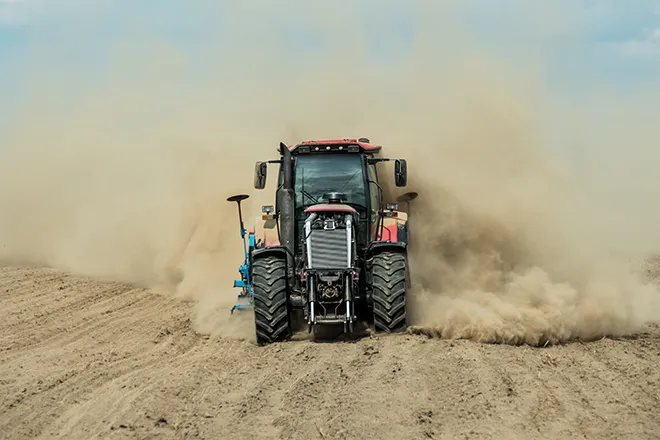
{"type": "Point", "coordinates": [331, 252]}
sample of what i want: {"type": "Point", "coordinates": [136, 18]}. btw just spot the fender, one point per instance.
{"type": "Point", "coordinates": [268, 251]}
{"type": "Point", "coordinates": [265, 232]}
{"type": "Point", "coordinates": [379, 246]}
{"type": "Point", "coordinates": [395, 228]}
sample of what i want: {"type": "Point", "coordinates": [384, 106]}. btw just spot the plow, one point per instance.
{"type": "Point", "coordinates": [331, 252]}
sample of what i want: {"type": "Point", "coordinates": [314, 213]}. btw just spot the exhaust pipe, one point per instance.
{"type": "Point", "coordinates": [287, 208]}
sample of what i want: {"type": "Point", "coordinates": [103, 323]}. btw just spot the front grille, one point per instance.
{"type": "Point", "coordinates": [329, 248]}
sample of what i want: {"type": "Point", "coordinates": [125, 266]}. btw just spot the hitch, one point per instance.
{"type": "Point", "coordinates": [245, 283]}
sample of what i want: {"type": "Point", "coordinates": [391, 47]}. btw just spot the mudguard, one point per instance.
{"type": "Point", "coordinates": [270, 250]}
{"type": "Point", "coordinates": [265, 232]}
{"type": "Point", "coordinates": [378, 246]}
{"type": "Point", "coordinates": [395, 228]}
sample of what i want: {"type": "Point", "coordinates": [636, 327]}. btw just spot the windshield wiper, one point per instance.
{"type": "Point", "coordinates": [305, 193]}
{"type": "Point", "coordinates": [309, 196]}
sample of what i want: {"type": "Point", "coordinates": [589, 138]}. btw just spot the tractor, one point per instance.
{"type": "Point", "coordinates": [330, 253]}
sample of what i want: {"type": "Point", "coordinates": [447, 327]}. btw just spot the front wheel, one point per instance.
{"type": "Point", "coordinates": [271, 307]}
{"type": "Point", "coordinates": [389, 292]}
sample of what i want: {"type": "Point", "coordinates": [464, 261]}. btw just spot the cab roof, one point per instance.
{"type": "Point", "coordinates": [361, 145]}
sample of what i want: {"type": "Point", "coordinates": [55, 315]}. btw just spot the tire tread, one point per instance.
{"type": "Point", "coordinates": [389, 292]}
{"type": "Point", "coordinates": [271, 307]}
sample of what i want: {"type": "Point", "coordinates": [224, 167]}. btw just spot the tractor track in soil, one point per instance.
{"type": "Point", "coordinates": [84, 359]}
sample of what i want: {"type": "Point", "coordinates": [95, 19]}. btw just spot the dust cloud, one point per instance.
{"type": "Point", "coordinates": [518, 236]}
{"type": "Point", "coordinates": [513, 245]}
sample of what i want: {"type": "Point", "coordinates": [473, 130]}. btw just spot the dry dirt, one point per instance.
{"type": "Point", "coordinates": [83, 359]}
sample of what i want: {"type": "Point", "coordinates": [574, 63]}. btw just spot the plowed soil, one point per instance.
{"type": "Point", "coordinates": [83, 359]}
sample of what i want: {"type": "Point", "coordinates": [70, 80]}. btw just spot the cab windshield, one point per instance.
{"type": "Point", "coordinates": [319, 174]}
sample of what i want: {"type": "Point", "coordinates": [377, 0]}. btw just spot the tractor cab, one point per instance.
{"type": "Point", "coordinates": [346, 166]}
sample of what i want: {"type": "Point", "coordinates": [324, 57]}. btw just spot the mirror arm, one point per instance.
{"type": "Point", "coordinates": [375, 160]}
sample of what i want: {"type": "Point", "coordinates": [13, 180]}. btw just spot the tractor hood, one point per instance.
{"type": "Point", "coordinates": [333, 204]}
{"type": "Point", "coordinates": [330, 207]}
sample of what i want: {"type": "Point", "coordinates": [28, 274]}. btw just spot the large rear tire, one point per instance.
{"type": "Point", "coordinates": [389, 292]}
{"type": "Point", "coordinates": [271, 306]}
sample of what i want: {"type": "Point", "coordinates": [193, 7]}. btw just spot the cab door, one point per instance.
{"type": "Point", "coordinates": [374, 199]}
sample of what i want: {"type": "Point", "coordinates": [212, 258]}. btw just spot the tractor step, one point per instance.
{"type": "Point", "coordinates": [296, 301]}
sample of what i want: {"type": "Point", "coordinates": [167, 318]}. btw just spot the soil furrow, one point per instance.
{"type": "Point", "coordinates": [99, 360]}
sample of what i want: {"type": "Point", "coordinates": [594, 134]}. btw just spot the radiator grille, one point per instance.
{"type": "Point", "coordinates": [329, 248]}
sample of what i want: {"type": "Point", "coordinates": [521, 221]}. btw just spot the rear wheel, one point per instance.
{"type": "Point", "coordinates": [389, 292]}
{"type": "Point", "coordinates": [271, 308]}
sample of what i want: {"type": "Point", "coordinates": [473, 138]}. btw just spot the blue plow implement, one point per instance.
{"type": "Point", "coordinates": [245, 283]}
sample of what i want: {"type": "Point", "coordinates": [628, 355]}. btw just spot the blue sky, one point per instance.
{"type": "Point", "coordinates": [610, 41]}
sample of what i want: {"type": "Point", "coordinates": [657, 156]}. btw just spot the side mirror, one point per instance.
{"type": "Point", "coordinates": [400, 172]}
{"type": "Point", "coordinates": [260, 172]}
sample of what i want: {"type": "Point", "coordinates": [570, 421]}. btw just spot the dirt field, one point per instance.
{"type": "Point", "coordinates": [83, 359]}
